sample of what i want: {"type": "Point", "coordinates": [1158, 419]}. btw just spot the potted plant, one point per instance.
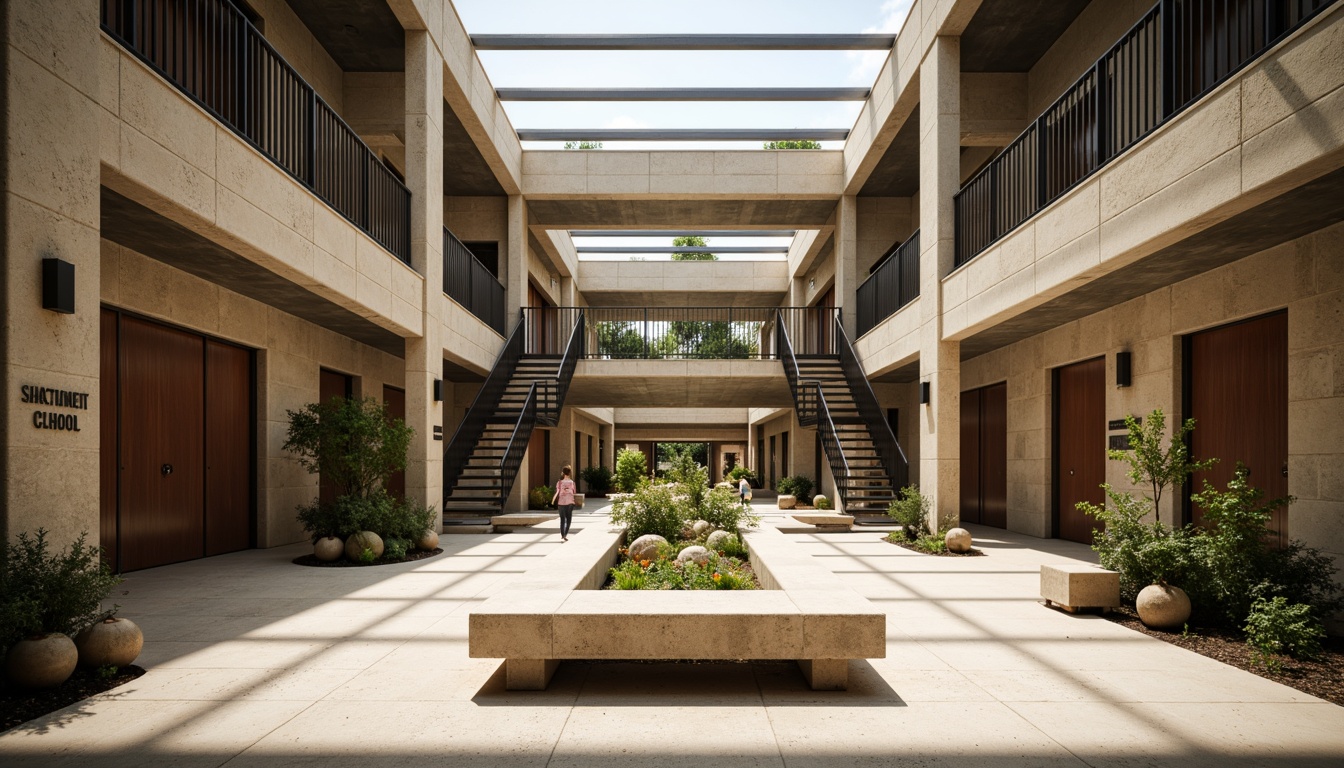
{"type": "Point", "coordinates": [46, 598]}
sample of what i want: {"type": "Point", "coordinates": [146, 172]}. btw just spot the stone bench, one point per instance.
{"type": "Point", "coordinates": [558, 611]}
{"type": "Point", "coordinates": [516, 521]}
{"type": "Point", "coordinates": [1072, 586]}
{"type": "Point", "coordinates": [826, 522]}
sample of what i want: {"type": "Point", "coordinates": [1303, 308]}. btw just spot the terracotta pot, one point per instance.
{"type": "Point", "coordinates": [44, 662]}
{"type": "Point", "coordinates": [328, 549]}
{"type": "Point", "coordinates": [1163, 606]}
{"type": "Point", "coordinates": [428, 541]}
{"type": "Point", "coordinates": [358, 542]}
{"type": "Point", "coordinates": [113, 641]}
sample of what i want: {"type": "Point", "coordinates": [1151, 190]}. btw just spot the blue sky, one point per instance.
{"type": "Point", "coordinates": [607, 69]}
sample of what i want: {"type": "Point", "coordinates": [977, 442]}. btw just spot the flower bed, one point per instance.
{"type": "Point", "coordinates": [665, 571]}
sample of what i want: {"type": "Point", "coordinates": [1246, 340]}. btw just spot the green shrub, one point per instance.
{"type": "Point", "coordinates": [42, 592]}
{"type": "Point", "coordinates": [631, 467]}
{"type": "Point", "coordinates": [385, 515]}
{"type": "Point", "coordinates": [342, 517]}
{"type": "Point", "coordinates": [650, 509]}
{"type": "Point", "coordinates": [691, 478]}
{"type": "Point", "coordinates": [1276, 626]}
{"type": "Point", "coordinates": [732, 547]}
{"type": "Point", "coordinates": [395, 549]}
{"type": "Point", "coordinates": [597, 479]}
{"type": "Point", "coordinates": [666, 573]}
{"type": "Point", "coordinates": [721, 509]}
{"type": "Point", "coordinates": [821, 502]}
{"type": "Point", "coordinates": [911, 512]}
{"type": "Point", "coordinates": [354, 444]}
{"type": "Point", "coordinates": [795, 485]}
{"type": "Point", "coordinates": [540, 497]}
{"type": "Point", "coordinates": [367, 557]}
{"type": "Point", "coordinates": [737, 473]}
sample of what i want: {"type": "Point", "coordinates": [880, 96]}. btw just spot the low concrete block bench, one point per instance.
{"type": "Point", "coordinates": [826, 522]}
{"type": "Point", "coordinates": [516, 521]}
{"type": "Point", "coordinates": [1072, 586]}
{"type": "Point", "coordinates": [557, 611]}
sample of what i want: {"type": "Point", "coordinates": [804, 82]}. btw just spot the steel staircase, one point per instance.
{"type": "Point", "coordinates": [832, 393]}
{"type": "Point", "coordinates": [522, 392]}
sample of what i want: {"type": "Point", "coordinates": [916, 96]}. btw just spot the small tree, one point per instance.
{"type": "Point", "coordinates": [1152, 464]}
{"type": "Point", "coordinates": [352, 443]}
{"type": "Point", "coordinates": [791, 144]}
{"type": "Point", "coordinates": [631, 468]}
{"type": "Point", "coordinates": [692, 241]}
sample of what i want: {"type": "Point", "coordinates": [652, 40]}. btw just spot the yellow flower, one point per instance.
{"type": "Point", "coordinates": [717, 577]}
{"type": "Point", "coordinates": [644, 563]}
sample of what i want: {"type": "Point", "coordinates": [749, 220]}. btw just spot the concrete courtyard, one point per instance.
{"type": "Point", "coordinates": [256, 662]}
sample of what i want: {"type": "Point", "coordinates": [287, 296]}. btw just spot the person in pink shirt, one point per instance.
{"type": "Point", "coordinates": [564, 497]}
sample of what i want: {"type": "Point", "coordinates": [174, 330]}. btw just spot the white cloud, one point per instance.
{"type": "Point", "coordinates": [868, 63]}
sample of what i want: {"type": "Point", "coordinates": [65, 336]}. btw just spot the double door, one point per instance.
{"type": "Point", "coordinates": [176, 444]}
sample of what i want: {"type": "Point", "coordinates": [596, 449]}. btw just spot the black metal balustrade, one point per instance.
{"type": "Point", "coordinates": [893, 283]}
{"type": "Point", "coordinates": [483, 406]}
{"type": "Point", "coordinates": [886, 447]}
{"type": "Point", "coordinates": [1175, 54]}
{"type": "Point", "coordinates": [213, 54]}
{"type": "Point", "coordinates": [471, 284]}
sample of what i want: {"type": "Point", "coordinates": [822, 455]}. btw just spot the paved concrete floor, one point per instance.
{"type": "Point", "coordinates": [255, 662]}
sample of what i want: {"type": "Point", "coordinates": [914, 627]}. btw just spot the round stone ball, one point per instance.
{"type": "Point", "coordinates": [958, 540]}
{"type": "Point", "coordinates": [115, 641]}
{"type": "Point", "coordinates": [786, 501]}
{"type": "Point", "coordinates": [357, 543]}
{"type": "Point", "coordinates": [716, 540]}
{"type": "Point", "coordinates": [328, 549]}
{"type": "Point", "coordinates": [698, 554]}
{"type": "Point", "coordinates": [821, 502]}
{"type": "Point", "coordinates": [44, 662]}
{"type": "Point", "coordinates": [1162, 606]}
{"type": "Point", "coordinates": [428, 541]}
{"type": "Point", "coordinates": [645, 547]}
{"type": "Point", "coordinates": [702, 527]}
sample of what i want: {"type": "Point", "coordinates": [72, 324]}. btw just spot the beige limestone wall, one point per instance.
{"type": "Point", "coordinates": [685, 277]}
{"type": "Point", "coordinates": [290, 354]}
{"type": "Point", "coordinates": [1097, 28]}
{"type": "Point", "coordinates": [905, 398]}
{"type": "Point", "coordinates": [375, 108]}
{"type": "Point", "coordinates": [682, 174]}
{"type": "Point", "coordinates": [478, 219]}
{"type": "Point", "coordinates": [292, 40]}
{"type": "Point", "coordinates": [160, 149]}
{"type": "Point", "coordinates": [882, 223]}
{"type": "Point", "coordinates": [1305, 276]}
{"type": "Point", "coordinates": [49, 84]}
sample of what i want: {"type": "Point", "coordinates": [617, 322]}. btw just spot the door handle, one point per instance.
{"type": "Point", "coordinates": [1070, 471]}
{"type": "Point", "coordinates": [1285, 469]}
{"type": "Point", "coordinates": [166, 470]}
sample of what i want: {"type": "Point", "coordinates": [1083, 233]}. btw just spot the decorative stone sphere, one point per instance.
{"type": "Point", "coordinates": [1163, 606]}
{"type": "Point", "coordinates": [429, 540]}
{"type": "Point", "coordinates": [113, 641]}
{"type": "Point", "coordinates": [357, 543]}
{"type": "Point", "coordinates": [958, 540]}
{"type": "Point", "coordinates": [45, 662]}
{"type": "Point", "coordinates": [328, 549]}
{"type": "Point", "coordinates": [698, 554]}
{"type": "Point", "coordinates": [787, 501]}
{"type": "Point", "coordinates": [702, 527]}
{"type": "Point", "coordinates": [645, 547]}
{"type": "Point", "coordinates": [821, 502]}
{"type": "Point", "coordinates": [716, 540]}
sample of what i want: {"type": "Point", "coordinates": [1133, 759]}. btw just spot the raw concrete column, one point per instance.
{"type": "Point", "coordinates": [847, 261]}
{"type": "Point", "coordinates": [424, 176]}
{"type": "Point", "coordinates": [49, 210]}
{"type": "Point", "coordinates": [515, 262]}
{"type": "Point", "coordinates": [939, 360]}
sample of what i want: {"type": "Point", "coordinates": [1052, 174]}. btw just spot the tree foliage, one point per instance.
{"type": "Point", "coordinates": [692, 241]}
{"type": "Point", "coordinates": [798, 144]}
{"type": "Point", "coordinates": [352, 443]}
{"type": "Point", "coordinates": [583, 145]}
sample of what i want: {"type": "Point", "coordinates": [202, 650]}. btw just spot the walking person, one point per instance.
{"type": "Point", "coordinates": [564, 498]}
{"type": "Point", "coordinates": [744, 491]}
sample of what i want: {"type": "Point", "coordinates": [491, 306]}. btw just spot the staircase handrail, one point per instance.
{"type": "Point", "coordinates": [865, 400]}
{"type": "Point", "coordinates": [574, 351]}
{"type": "Point", "coordinates": [519, 439]}
{"type": "Point", "coordinates": [818, 413]}
{"type": "Point", "coordinates": [830, 442]}
{"type": "Point", "coordinates": [469, 431]}
{"type": "Point", "coordinates": [784, 348]}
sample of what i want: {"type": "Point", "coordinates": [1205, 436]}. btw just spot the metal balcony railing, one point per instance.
{"type": "Point", "coordinates": [213, 54]}
{"type": "Point", "coordinates": [893, 283]}
{"type": "Point", "coordinates": [1175, 54]}
{"type": "Point", "coordinates": [471, 284]}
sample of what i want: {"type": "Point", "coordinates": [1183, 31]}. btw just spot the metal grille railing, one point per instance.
{"type": "Point", "coordinates": [471, 284]}
{"type": "Point", "coordinates": [886, 446]}
{"type": "Point", "coordinates": [1175, 54]}
{"type": "Point", "coordinates": [213, 54]}
{"type": "Point", "coordinates": [894, 282]}
{"type": "Point", "coordinates": [681, 333]}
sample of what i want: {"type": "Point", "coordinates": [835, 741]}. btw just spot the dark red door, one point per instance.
{"type": "Point", "coordinates": [162, 446]}
{"type": "Point", "coordinates": [228, 437]}
{"type": "Point", "coordinates": [1239, 400]}
{"type": "Point", "coordinates": [970, 456]}
{"type": "Point", "coordinates": [1080, 446]}
{"type": "Point", "coordinates": [984, 455]}
{"type": "Point", "coordinates": [395, 400]}
{"type": "Point", "coordinates": [331, 384]}
{"type": "Point", "coordinates": [107, 439]}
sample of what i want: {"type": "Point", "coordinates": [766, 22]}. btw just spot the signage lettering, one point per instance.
{"type": "Point", "coordinates": [54, 398]}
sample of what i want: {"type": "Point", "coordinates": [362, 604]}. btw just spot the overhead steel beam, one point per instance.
{"type": "Point", "coordinates": [682, 134]}
{"type": "Point", "coordinates": [685, 249]}
{"type": "Point", "coordinates": [854, 42]}
{"type": "Point", "coordinates": [682, 94]}
{"type": "Point", "coordinates": [682, 232]}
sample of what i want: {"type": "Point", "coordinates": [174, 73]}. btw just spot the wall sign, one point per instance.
{"type": "Point", "coordinates": [1115, 424]}
{"type": "Point", "coordinates": [1118, 442]}
{"type": "Point", "coordinates": [54, 398]}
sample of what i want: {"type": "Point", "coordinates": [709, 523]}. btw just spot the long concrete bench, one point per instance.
{"type": "Point", "coordinates": [515, 521]}
{"type": "Point", "coordinates": [826, 522]}
{"type": "Point", "coordinates": [557, 611]}
{"type": "Point", "coordinates": [1072, 586]}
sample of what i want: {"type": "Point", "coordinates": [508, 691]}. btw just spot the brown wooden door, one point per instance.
{"type": "Point", "coordinates": [107, 438]}
{"type": "Point", "coordinates": [984, 455]}
{"type": "Point", "coordinates": [331, 384]}
{"type": "Point", "coordinates": [1080, 445]}
{"type": "Point", "coordinates": [162, 445]}
{"type": "Point", "coordinates": [228, 452]}
{"type": "Point", "coordinates": [822, 325]}
{"type": "Point", "coordinates": [1239, 400]}
{"type": "Point", "coordinates": [395, 399]}
{"type": "Point", "coordinates": [538, 458]}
